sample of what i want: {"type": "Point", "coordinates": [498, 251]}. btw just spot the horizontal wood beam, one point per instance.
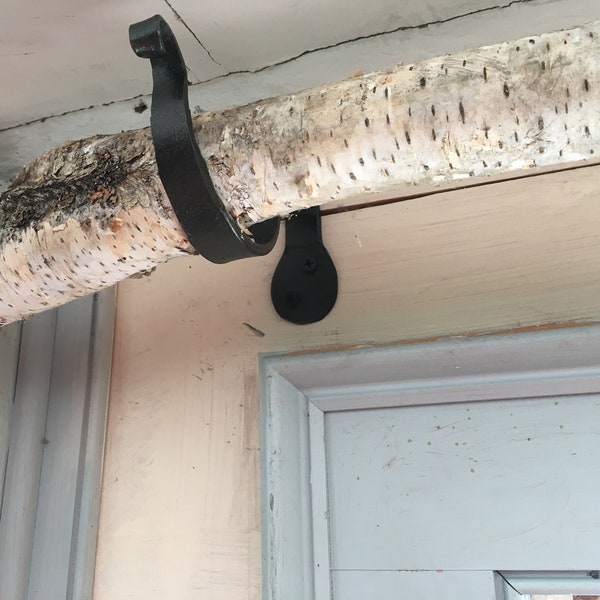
{"type": "Point", "coordinates": [90, 213]}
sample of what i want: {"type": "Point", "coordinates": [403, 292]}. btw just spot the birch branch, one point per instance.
{"type": "Point", "coordinates": [92, 212]}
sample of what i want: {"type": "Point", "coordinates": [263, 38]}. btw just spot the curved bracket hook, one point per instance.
{"type": "Point", "coordinates": [182, 169]}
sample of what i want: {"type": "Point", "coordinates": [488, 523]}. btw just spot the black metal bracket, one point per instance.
{"type": "Point", "coordinates": [211, 230]}
{"type": "Point", "coordinates": [305, 284]}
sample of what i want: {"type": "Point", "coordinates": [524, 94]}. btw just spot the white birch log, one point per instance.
{"type": "Point", "coordinates": [93, 212]}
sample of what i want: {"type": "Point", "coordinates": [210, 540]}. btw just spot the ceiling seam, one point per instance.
{"type": "Point", "coordinates": [366, 37]}
{"type": "Point", "coordinates": [71, 112]}
{"type": "Point", "coordinates": [283, 62]}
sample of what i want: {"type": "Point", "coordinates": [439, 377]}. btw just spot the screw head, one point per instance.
{"type": "Point", "coordinates": [293, 299]}
{"type": "Point", "coordinates": [311, 265]}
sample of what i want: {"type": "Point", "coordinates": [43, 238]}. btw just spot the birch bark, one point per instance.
{"type": "Point", "coordinates": [92, 212]}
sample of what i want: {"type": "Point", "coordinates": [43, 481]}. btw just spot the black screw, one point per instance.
{"type": "Point", "coordinates": [293, 300]}
{"type": "Point", "coordinates": [311, 265]}
{"type": "Point", "coordinates": [594, 574]}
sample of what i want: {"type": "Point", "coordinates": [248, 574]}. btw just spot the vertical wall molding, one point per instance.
{"type": "Point", "coordinates": [10, 337]}
{"type": "Point", "coordinates": [50, 508]}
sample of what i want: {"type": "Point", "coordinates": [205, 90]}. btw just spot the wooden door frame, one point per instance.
{"type": "Point", "coordinates": [297, 392]}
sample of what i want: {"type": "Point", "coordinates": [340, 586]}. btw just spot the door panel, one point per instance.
{"type": "Point", "coordinates": [485, 485]}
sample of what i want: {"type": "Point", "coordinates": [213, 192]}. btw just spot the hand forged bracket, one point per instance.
{"type": "Point", "coordinates": [211, 230]}
{"type": "Point", "coordinates": [304, 287]}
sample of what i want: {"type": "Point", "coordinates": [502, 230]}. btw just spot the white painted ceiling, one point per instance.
{"type": "Point", "coordinates": [61, 56]}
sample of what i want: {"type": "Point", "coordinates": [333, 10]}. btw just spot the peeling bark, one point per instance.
{"type": "Point", "coordinates": [93, 212]}
{"type": "Point", "coordinates": [81, 218]}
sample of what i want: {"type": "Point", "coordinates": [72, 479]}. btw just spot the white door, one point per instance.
{"type": "Point", "coordinates": [434, 470]}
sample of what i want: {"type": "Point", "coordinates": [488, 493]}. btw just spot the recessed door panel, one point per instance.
{"type": "Point", "coordinates": [487, 485]}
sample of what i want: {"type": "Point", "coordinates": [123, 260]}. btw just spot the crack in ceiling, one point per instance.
{"type": "Point", "coordinates": [285, 61]}
{"type": "Point", "coordinates": [180, 19]}
{"type": "Point", "coordinates": [365, 37]}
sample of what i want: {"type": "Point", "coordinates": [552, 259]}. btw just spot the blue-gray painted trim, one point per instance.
{"type": "Point", "coordinates": [553, 582]}
{"type": "Point", "coordinates": [26, 449]}
{"type": "Point", "coordinates": [10, 337]}
{"type": "Point", "coordinates": [569, 357]}
{"type": "Point", "coordinates": [286, 503]}
{"type": "Point", "coordinates": [49, 523]}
